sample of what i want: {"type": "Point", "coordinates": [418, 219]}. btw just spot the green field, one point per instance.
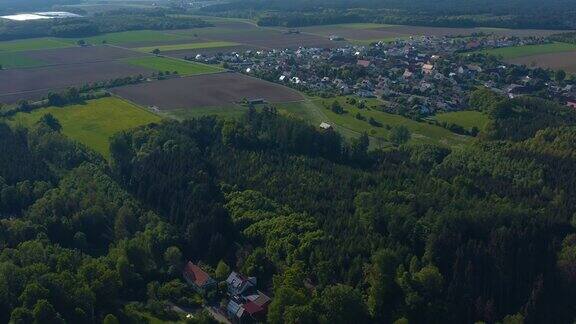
{"type": "Point", "coordinates": [466, 119]}
{"type": "Point", "coordinates": [300, 110]}
{"type": "Point", "coordinates": [313, 111]}
{"type": "Point", "coordinates": [227, 112]}
{"type": "Point", "coordinates": [529, 50]}
{"type": "Point", "coordinates": [307, 111]}
{"type": "Point", "coordinates": [17, 60]}
{"type": "Point", "coordinates": [94, 122]}
{"type": "Point", "coordinates": [188, 46]}
{"type": "Point", "coordinates": [33, 44]}
{"type": "Point", "coordinates": [133, 36]}
{"type": "Point", "coordinates": [421, 132]}
{"type": "Point", "coordinates": [163, 64]}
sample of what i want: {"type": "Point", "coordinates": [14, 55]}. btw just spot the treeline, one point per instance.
{"type": "Point", "coordinates": [564, 37]}
{"type": "Point", "coordinates": [106, 22]}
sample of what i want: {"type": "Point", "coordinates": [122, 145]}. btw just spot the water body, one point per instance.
{"type": "Point", "coordinates": [40, 15]}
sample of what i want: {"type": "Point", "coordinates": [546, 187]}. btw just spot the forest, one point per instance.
{"type": "Point", "coordinates": [336, 232]}
{"type": "Point", "coordinates": [554, 14]}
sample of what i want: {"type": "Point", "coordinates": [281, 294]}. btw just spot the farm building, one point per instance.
{"type": "Point", "coordinates": [198, 278]}
{"type": "Point", "coordinates": [325, 126]}
{"type": "Point", "coordinates": [244, 307]}
{"type": "Point", "coordinates": [245, 302]}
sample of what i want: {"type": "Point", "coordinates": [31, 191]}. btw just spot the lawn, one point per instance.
{"type": "Point", "coordinates": [33, 44]}
{"type": "Point", "coordinates": [94, 122]}
{"type": "Point", "coordinates": [188, 46]}
{"type": "Point", "coordinates": [422, 132]}
{"type": "Point", "coordinates": [529, 50]}
{"type": "Point", "coordinates": [163, 64]}
{"type": "Point", "coordinates": [466, 119]}
{"type": "Point", "coordinates": [17, 60]}
{"type": "Point", "coordinates": [133, 36]}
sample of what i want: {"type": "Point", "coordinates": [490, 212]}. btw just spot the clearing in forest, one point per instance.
{"type": "Point", "coordinates": [94, 122]}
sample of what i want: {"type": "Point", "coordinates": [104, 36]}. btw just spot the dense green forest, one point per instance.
{"type": "Point", "coordinates": [554, 14]}
{"type": "Point", "coordinates": [337, 233]}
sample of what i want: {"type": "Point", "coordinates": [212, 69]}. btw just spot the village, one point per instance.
{"type": "Point", "coordinates": [415, 77]}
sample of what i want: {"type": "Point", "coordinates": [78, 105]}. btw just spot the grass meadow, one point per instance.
{"type": "Point", "coordinates": [163, 64]}
{"type": "Point", "coordinates": [529, 50]}
{"type": "Point", "coordinates": [94, 122]}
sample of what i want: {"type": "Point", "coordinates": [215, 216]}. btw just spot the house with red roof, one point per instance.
{"type": "Point", "coordinates": [246, 303]}
{"type": "Point", "coordinates": [198, 278]}
{"type": "Point", "coordinates": [248, 308]}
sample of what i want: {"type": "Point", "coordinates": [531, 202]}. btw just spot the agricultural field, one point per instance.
{"type": "Point", "coordinates": [208, 51]}
{"type": "Point", "coordinates": [33, 44]}
{"type": "Point", "coordinates": [556, 61]}
{"type": "Point", "coordinates": [208, 90]}
{"type": "Point", "coordinates": [135, 36]}
{"type": "Point", "coordinates": [18, 84]}
{"type": "Point", "coordinates": [261, 37]}
{"type": "Point", "coordinates": [422, 132]}
{"type": "Point", "coordinates": [187, 46]}
{"type": "Point", "coordinates": [367, 33]}
{"type": "Point", "coordinates": [64, 55]}
{"type": "Point", "coordinates": [94, 122]}
{"type": "Point", "coordinates": [77, 54]}
{"type": "Point", "coordinates": [163, 64]}
{"type": "Point", "coordinates": [466, 119]}
{"type": "Point", "coordinates": [508, 53]}
{"type": "Point", "coordinates": [12, 60]}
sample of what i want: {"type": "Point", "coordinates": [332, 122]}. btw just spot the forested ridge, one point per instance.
{"type": "Point", "coordinates": [335, 232]}
{"type": "Point", "coordinates": [554, 14]}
